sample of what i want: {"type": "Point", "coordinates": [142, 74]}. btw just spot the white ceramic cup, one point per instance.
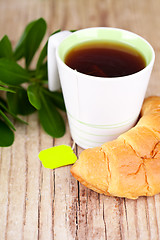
{"type": "Point", "coordinates": [99, 109]}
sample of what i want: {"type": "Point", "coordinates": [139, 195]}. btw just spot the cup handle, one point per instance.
{"type": "Point", "coordinates": [53, 43]}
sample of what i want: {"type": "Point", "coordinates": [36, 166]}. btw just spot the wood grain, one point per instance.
{"type": "Point", "coordinates": [43, 204]}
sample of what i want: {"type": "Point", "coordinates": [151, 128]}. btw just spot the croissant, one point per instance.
{"type": "Point", "coordinates": [128, 166]}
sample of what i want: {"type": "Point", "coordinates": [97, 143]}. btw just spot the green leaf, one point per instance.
{"type": "Point", "coordinates": [33, 39]}
{"type": "Point", "coordinates": [42, 72]}
{"type": "Point", "coordinates": [18, 102]}
{"type": "Point", "coordinates": [6, 89]}
{"type": "Point", "coordinates": [8, 85]}
{"type": "Point", "coordinates": [57, 98]}
{"type": "Point", "coordinates": [3, 106]}
{"type": "Point", "coordinates": [50, 119]}
{"type": "Point", "coordinates": [43, 53]}
{"type": "Point", "coordinates": [5, 48]}
{"type": "Point", "coordinates": [7, 135]}
{"type": "Point", "coordinates": [33, 95]}
{"type": "Point", "coordinates": [30, 40]}
{"type": "Point", "coordinates": [42, 56]}
{"type": "Point", "coordinates": [19, 51]}
{"type": "Point", "coordinates": [12, 73]}
{"type": "Point", "coordinates": [6, 119]}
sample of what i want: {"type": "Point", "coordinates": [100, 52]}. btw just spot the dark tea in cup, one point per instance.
{"type": "Point", "coordinates": [105, 59]}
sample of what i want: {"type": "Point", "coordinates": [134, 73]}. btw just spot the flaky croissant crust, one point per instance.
{"type": "Point", "coordinates": [128, 166]}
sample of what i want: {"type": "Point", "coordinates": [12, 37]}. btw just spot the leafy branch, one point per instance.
{"type": "Point", "coordinates": [19, 100]}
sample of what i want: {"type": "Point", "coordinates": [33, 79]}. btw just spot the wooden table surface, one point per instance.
{"type": "Point", "coordinates": [38, 203]}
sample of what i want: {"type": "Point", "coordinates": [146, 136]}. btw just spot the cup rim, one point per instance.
{"type": "Point", "coordinates": [107, 78]}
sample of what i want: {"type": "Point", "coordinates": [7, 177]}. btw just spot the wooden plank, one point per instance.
{"type": "Point", "coordinates": [65, 198]}
{"type": "Point", "coordinates": [157, 209]}
{"type": "Point", "coordinates": [112, 218]}
{"type": "Point", "coordinates": [45, 190]}
{"type": "Point", "coordinates": [129, 219]}
{"type": "Point", "coordinates": [5, 160]}
{"type": "Point", "coordinates": [32, 195]}
{"type": "Point", "coordinates": [152, 218]}
{"type": "Point", "coordinates": [17, 185]}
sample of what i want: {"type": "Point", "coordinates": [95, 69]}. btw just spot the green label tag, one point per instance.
{"type": "Point", "coordinates": [58, 156]}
